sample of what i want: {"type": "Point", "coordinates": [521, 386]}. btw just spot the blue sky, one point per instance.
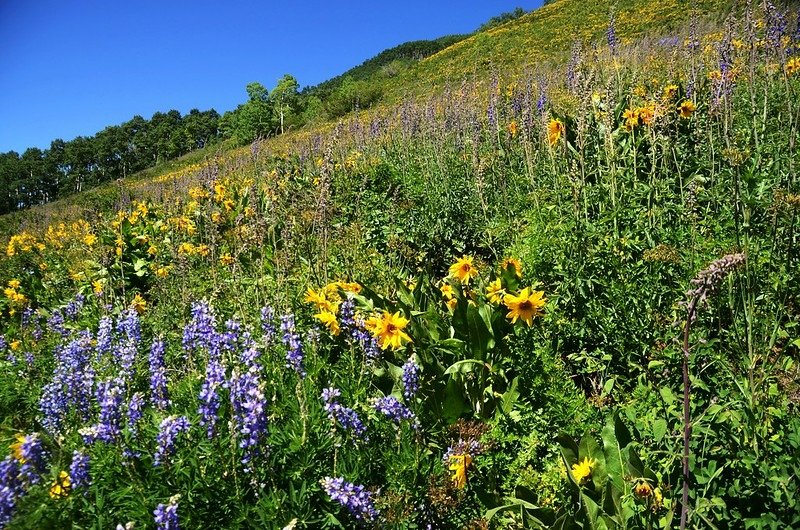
{"type": "Point", "coordinates": [70, 68]}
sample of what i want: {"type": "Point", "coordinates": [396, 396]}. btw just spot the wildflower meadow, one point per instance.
{"type": "Point", "coordinates": [559, 296]}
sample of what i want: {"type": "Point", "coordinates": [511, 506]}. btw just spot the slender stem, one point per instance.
{"type": "Point", "coordinates": [687, 426]}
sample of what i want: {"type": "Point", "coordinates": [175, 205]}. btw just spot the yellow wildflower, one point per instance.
{"type": "Point", "coordinates": [459, 465]}
{"type": "Point", "coordinates": [792, 66]}
{"type": "Point", "coordinates": [15, 345]}
{"type": "Point", "coordinates": [138, 304]}
{"type": "Point", "coordinates": [463, 270]}
{"type": "Point", "coordinates": [389, 330]}
{"type": "Point", "coordinates": [14, 284]}
{"type": "Point", "coordinates": [555, 129]}
{"type": "Point", "coordinates": [687, 108]}
{"type": "Point", "coordinates": [163, 272]}
{"type": "Point", "coordinates": [670, 91]}
{"type": "Point", "coordinates": [447, 291]}
{"type": "Point", "coordinates": [90, 240]}
{"type": "Point", "coordinates": [512, 129]}
{"type": "Point", "coordinates": [495, 291]}
{"type": "Point", "coordinates": [583, 470]}
{"type": "Point", "coordinates": [16, 447]}
{"type": "Point", "coordinates": [516, 265]}
{"type": "Point", "coordinates": [643, 489]}
{"type": "Point", "coordinates": [452, 304]}
{"type": "Point", "coordinates": [226, 259]}
{"type": "Point", "coordinates": [524, 306]}
{"type": "Point", "coordinates": [61, 486]}
{"type": "Point", "coordinates": [329, 320]}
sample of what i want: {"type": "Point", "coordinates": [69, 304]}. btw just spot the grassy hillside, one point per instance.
{"type": "Point", "coordinates": [562, 293]}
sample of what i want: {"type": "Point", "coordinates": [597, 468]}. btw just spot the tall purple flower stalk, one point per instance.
{"type": "Point", "coordinates": [390, 407]}
{"type": "Point", "coordinates": [32, 458]}
{"type": "Point", "coordinates": [11, 489]}
{"type": "Point", "coordinates": [209, 396]}
{"type": "Point", "coordinates": [268, 324]}
{"type": "Point", "coordinates": [135, 406]}
{"type": "Point", "coordinates": [200, 331]}
{"type": "Point", "coordinates": [168, 433]}
{"type": "Point", "coordinates": [611, 35]}
{"type": "Point", "coordinates": [346, 417]}
{"type": "Point", "coordinates": [79, 470]}
{"type": "Point", "coordinates": [166, 515]}
{"type": "Point", "coordinates": [158, 376]}
{"type": "Point", "coordinates": [71, 385]}
{"type": "Point", "coordinates": [294, 346]}
{"type": "Point", "coordinates": [355, 498]}
{"type": "Point", "coordinates": [249, 407]}
{"type": "Point", "coordinates": [110, 394]}
{"type": "Point", "coordinates": [410, 378]}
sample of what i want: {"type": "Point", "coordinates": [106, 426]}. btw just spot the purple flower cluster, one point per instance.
{"type": "Point", "coordinates": [166, 515]}
{"type": "Point", "coordinates": [74, 308]}
{"type": "Point", "coordinates": [611, 35]}
{"type": "Point", "coordinates": [392, 408]}
{"type": "Point", "coordinates": [268, 324]}
{"type": "Point", "coordinates": [71, 385]}
{"type": "Point", "coordinates": [32, 458]}
{"type": "Point", "coordinates": [294, 346]}
{"type": "Point", "coordinates": [462, 447]}
{"type": "Point", "coordinates": [79, 470]}
{"type": "Point", "coordinates": [158, 376]}
{"type": "Point", "coordinates": [135, 407]}
{"type": "Point", "coordinates": [110, 394]}
{"type": "Point", "coordinates": [346, 417]}
{"type": "Point", "coordinates": [56, 323]}
{"type": "Point", "coordinates": [200, 332]}
{"type": "Point", "coordinates": [776, 25]}
{"type": "Point", "coordinates": [410, 378]}
{"type": "Point", "coordinates": [209, 396]}
{"type": "Point", "coordinates": [105, 336]}
{"type": "Point", "coordinates": [168, 433]}
{"type": "Point", "coordinates": [249, 413]}
{"type": "Point", "coordinates": [355, 498]}
{"type": "Point", "coordinates": [11, 489]}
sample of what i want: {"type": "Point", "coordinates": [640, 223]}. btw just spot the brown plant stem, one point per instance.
{"type": "Point", "coordinates": [687, 426]}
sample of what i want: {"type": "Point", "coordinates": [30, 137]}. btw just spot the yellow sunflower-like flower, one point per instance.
{"type": "Point", "coordinates": [459, 465]}
{"type": "Point", "coordinates": [139, 304]}
{"type": "Point", "coordinates": [447, 291]}
{"type": "Point", "coordinates": [320, 300]}
{"type": "Point", "coordinates": [226, 259]}
{"type": "Point", "coordinates": [495, 291]}
{"type": "Point", "coordinates": [555, 129]}
{"type": "Point", "coordinates": [61, 487]}
{"type": "Point", "coordinates": [583, 470]}
{"type": "Point", "coordinates": [512, 129]}
{"type": "Point", "coordinates": [463, 270]}
{"type": "Point", "coordinates": [329, 320]}
{"type": "Point", "coordinates": [89, 240]}
{"type": "Point", "coordinates": [15, 345]}
{"type": "Point", "coordinates": [643, 489]}
{"type": "Point", "coordinates": [14, 284]}
{"type": "Point", "coordinates": [670, 91]}
{"type": "Point", "coordinates": [516, 265]}
{"type": "Point", "coordinates": [452, 304]}
{"type": "Point", "coordinates": [792, 66]}
{"type": "Point", "coordinates": [687, 108]}
{"type": "Point", "coordinates": [388, 329]}
{"type": "Point", "coordinates": [524, 306]}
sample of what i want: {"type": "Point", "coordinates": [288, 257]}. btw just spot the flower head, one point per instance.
{"type": "Point", "coordinates": [555, 129]}
{"type": "Point", "coordinates": [459, 465]}
{"type": "Point", "coordinates": [495, 291]}
{"type": "Point", "coordinates": [524, 306]}
{"type": "Point", "coordinates": [61, 486]}
{"type": "Point", "coordinates": [583, 469]}
{"type": "Point", "coordinates": [330, 322]}
{"type": "Point", "coordinates": [463, 270]}
{"type": "Point", "coordinates": [389, 330]}
{"type": "Point", "coordinates": [687, 108]}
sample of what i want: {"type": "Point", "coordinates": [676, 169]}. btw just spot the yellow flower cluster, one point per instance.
{"type": "Point", "coordinates": [327, 300]}
{"type": "Point", "coordinates": [583, 469]}
{"type": "Point", "coordinates": [388, 329]}
{"type": "Point", "coordinates": [792, 66]}
{"type": "Point", "coordinates": [636, 117]}
{"type": "Point", "coordinates": [13, 294]}
{"type": "Point", "coordinates": [23, 242]}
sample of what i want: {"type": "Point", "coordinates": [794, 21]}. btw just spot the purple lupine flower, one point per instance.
{"type": "Point", "coordinates": [129, 325]}
{"type": "Point", "coordinates": [73, 309]}
{"type": "Point", "coordinates": [231, 336]}
{"type": "Point", "coordinates": [471, 446]}
{"type": "Point", "coordinates": [268, 324]}
{"type": "Point", "coordinates": [166, 515]}
{"type": "Point", "coordinates": [294, 346]}
{"type": "Point", "coordinates": [79, 470]}
{"type": "Point", "coordinates": [56, 323]}
{"type": "Point", "coordinates": [158, 376]}
{"type": "Point", "coordinates": [346, 417]}
{"type": "Point", "coordinates": [392, 408]}
{"type": "Point", "coordinates": [168, 433]}
{"type": "Point", "coordinates": [125, 355]}
{"type": "Point", "coordinates": [367, 342]}
{"type": "Point", "coordinates": [249, 413]}
{"type": "Point", "coordinates": [541, 102]}
{"type": "Point", "coordinates": [347, 316]}
{"type": "Point", "coordinates": [71, 385]}
{"type": "Point", "coordinates": [11, 489]}
{"type": "Point", "coordinates": [27, 316]}
{"type": "Point", "coordinates": [355, 498]}
{"type": "Point", "coordinates": [611, 35]}
{"type": "Point", "coordinates": [32, 458]}
{"type": "Point", "coordinates": [200, 332]}
{"type": "Point", "coordinates": [209, 396]}
{"type": "Point", "coordinates": [110, 394]}
{"type": "Point", "coordinates": [776, 25]}
{"type": "Point", "coordinates": [105, 336]}
{"type": "Point", "coordinates": [135, 406]}
{"type": "Point", "coordinates": [410, 378]}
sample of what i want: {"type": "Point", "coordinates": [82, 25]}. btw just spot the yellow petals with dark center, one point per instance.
{"type": "Point", "coordinates": [388, 329]}
{"type": "Point", "coordinates": [525, 306]}
{"type": "Point", "coordinates": [463, 270]}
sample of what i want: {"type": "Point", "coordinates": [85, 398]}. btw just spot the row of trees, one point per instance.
{"type": "Point", "coordinates": [38, 176]}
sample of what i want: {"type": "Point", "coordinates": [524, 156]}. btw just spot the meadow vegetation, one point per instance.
{"type": "Point", "coordinates": [561, 297]}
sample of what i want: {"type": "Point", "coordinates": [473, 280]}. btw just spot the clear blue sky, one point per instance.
{"type": "Point", "coordinates": [70, 68]}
